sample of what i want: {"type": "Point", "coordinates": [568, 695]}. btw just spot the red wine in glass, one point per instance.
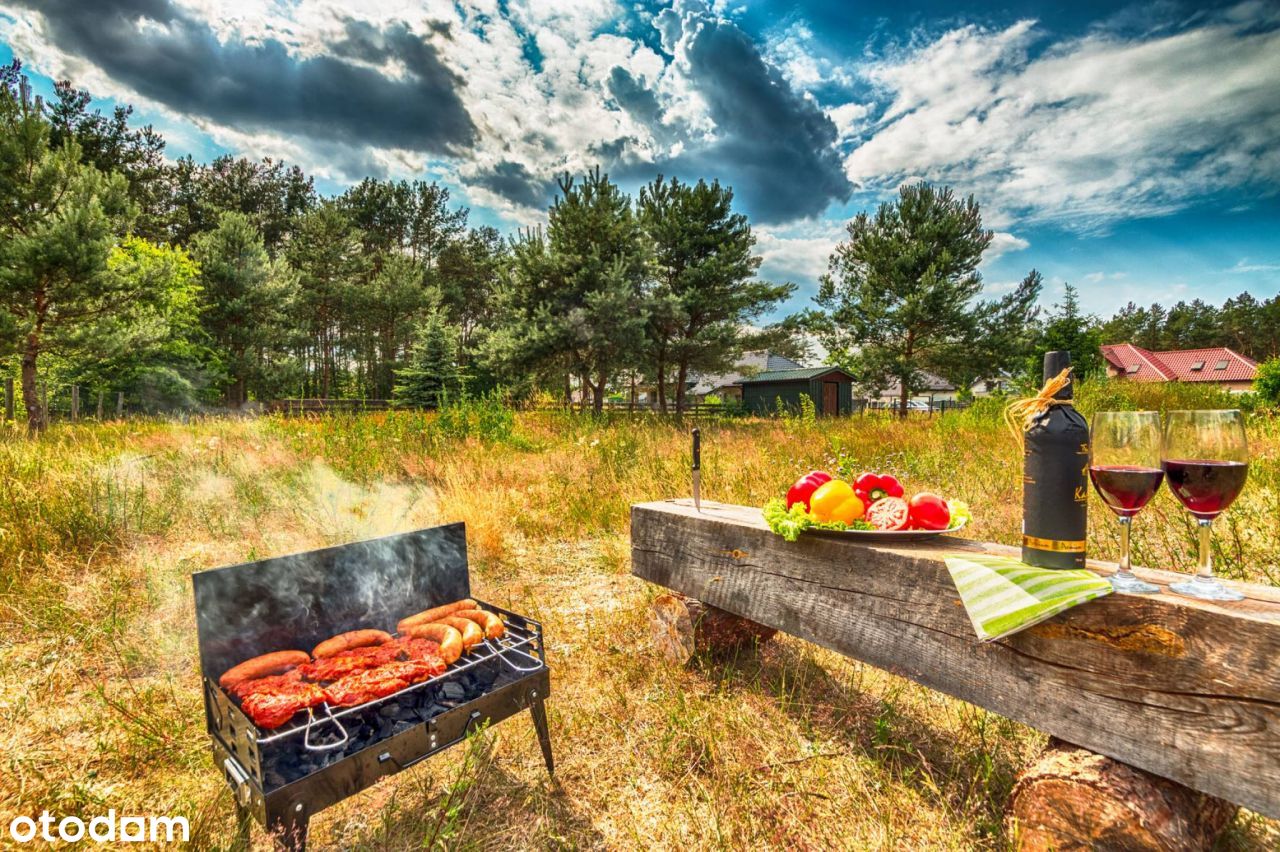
{"type": "Point", "coordinates": [1124, 464]}
{"type": "Point", "coordinates": [1206, 487]}
{"type": "Point", "coordinates": [1125, 488]}
{"type": "Point", "coordinates": [1206, 461]}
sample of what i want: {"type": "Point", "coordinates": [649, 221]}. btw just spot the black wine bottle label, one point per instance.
{"type": "Point", "coordinates": [1055, 480]}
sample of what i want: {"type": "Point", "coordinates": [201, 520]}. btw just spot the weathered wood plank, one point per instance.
{"type": "Point", "coordinates": [1187, 689]}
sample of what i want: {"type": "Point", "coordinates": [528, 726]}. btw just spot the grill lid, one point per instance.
{"type": "Point", "coordinates": [294, 602]}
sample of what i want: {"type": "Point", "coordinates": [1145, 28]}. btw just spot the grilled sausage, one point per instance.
{"type": "Point", "coordinates": [491, 623]}
{"type": "Point", "coordinates": [472, 635]}
{"type": "Point", "coordinates": [349, 640]}
{"type": "Point", "coordinates": [448, 638]}
{"type": "Point", "coordinates": [434, 614]}
{"type": "Point", "coordinates": [277, 662]}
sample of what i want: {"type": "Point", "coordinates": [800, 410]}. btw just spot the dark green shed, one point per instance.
{"type": "Point", "coordinates": [830, 388]}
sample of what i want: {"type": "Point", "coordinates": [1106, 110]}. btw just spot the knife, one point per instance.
{"type": "Point", "coordinates": [697, 469]}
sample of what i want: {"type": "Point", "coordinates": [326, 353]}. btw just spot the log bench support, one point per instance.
{"type": "Point", "coordinates": [682, 627]}
{"type": "Point", "coordinates": [1174, 703]}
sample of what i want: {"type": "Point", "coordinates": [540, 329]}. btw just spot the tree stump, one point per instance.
{"type": "Point", "coordinates": [682, 627]}
{"type": "Point", "coordinates": [1073, 799]}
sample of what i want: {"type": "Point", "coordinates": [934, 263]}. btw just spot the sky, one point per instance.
{"type": "Point", "coordinates": [1131, 150]}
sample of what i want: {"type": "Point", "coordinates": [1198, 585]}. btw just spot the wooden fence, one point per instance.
{"type": "Point", "coordinates": [73, 403]}
{"type": "Point", "coordinates": [65, 403]}
{"type": "Point", "coordinates": [317, 405]}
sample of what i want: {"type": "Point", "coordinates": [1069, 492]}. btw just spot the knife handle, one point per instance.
{"type": "Point", "coordinates": [697, 448]}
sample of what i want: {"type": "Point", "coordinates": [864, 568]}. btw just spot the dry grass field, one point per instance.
{"type": "Point", "coordinates": [797, 748]}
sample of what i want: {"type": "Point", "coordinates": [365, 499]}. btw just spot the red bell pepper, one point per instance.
{"type": "Point", "coordinates": [871, 487]}
{"type": "Point", "coordinates": [805, 486]}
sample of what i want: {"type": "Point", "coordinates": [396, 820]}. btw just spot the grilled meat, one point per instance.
{"type": "Point", "coordinates": [246, 688]}
{"type": "Point", "coordinates": [369, 685]}
{"type": "Point", "coordinates": [271, 708]}
{"type": "Point", "coordinates": [413, 648]}
{"type": "Point", "coordinates": [350, 662]}
{"type": "Point", "coordinates": [274, 663]}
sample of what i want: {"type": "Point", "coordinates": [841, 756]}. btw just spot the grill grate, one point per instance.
{"type": "Point", "coordinates": [496, 650]}
{"type": "Point", "coordinates": [282, 777]}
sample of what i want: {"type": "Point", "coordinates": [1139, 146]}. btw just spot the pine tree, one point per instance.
{"type": "Point", "coordinates": [431, 372]}
{"type": "Point", "coordinates": [574, 302]}
{"type": "Point", "coordinates": [1068, 328]}
{"type": "Point", "coordinates": [247, 299]}
{"type": "Point", "coordinates": [59, 221]}
{"type": "Point", "coordinates": [898, 298]}
{"type": "Point", "coordinates": [705, 295]}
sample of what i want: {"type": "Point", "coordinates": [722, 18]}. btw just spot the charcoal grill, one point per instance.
{"type": "Point", "coordinates": [283, 777]}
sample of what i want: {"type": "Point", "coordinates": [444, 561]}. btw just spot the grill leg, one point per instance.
{"type": "Point", "coordinates": [244, 828]}
{"type": "Point", "coordinates": [539, 712]}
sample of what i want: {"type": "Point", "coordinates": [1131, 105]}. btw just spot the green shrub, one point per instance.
{"type": "Point", "coordinates": [486, 417]}
{"type": "Point", "coordinates": [1266, 385]}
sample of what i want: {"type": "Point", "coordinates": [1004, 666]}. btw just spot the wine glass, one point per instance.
{"type": "Point", "coordinates": [1124, 464]}
{"type": "Point", "coordinates": [1206, 460]}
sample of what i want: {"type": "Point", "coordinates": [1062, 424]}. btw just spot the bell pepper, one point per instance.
{"type": "Point", "coordinates": [805, 486]}
{"type": "Point", "coordinates": [871, 487]}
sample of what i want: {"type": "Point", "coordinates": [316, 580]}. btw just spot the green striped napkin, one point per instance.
{"type": "Point", "coordinates": [1003, 595]}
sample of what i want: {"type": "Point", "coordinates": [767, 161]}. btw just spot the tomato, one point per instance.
{"type": "Point", "coordinates": [829, 497]}
{"type": "Point", "coordinates": [805, 486]}
{"type": "Point", "coordinates": [929, 512]}
{"type": "Point", "coordinates": [889, 513]}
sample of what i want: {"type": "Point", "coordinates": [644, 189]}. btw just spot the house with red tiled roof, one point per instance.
{"type": "Point", "coordinates": [1222, 366]}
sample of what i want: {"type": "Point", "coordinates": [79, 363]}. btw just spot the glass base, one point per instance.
{"type": "Point", "coordinates": [1128, 584]}
{"type": "Point", "coordinates": [1209, 589]}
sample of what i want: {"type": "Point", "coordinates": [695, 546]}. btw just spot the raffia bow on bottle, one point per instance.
{"type": "Point", "coordinates": [1022, 413]}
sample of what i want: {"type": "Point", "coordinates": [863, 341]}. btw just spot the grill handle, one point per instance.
{"type": "Point", "coordinates": [306, 736]}
{"type": "Point", "coordinates": [388, 757]}
{"type": "Point", "coordinates": [501, 651]}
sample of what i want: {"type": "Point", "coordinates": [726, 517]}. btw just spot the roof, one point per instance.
{"type": "Point", "coordinates": [1215, 364]}
{"type": "Point", "coordinates": [803, 374]}
{"type": "Point", "coordinates": [927, 382]}
{"type": "Point", "coordinates": [751, 363]}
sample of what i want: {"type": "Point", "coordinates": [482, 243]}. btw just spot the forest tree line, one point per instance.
{"type": "Point", "coordinates": [182, 283]}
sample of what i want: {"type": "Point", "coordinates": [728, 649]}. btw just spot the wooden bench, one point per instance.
{"type": "Point", "coordinates": [1186, 690]}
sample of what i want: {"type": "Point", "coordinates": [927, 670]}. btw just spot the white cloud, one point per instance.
{"type": "Point", "coordinates": [797, 252]}
{"type": "Point", "coordinates": [800, 58]}
{"type": "Point", "coordinates": [1091, 130]}
{"type": "Point", "coordinates": [1002, 243]}
{"type": "Point", "coordinates": [1244, 267]}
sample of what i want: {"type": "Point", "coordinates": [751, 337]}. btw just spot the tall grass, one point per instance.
{"type": "Point", "coordinates": [100, 704]}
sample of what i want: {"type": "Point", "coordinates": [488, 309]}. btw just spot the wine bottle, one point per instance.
{"type": "Point", "coordinates": [1055, 479]}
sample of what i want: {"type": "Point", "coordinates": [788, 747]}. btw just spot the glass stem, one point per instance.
{"type": "Point", "coordinates": [1124, 545]}
{"type": "Point", "coordinates": [1205, 571]}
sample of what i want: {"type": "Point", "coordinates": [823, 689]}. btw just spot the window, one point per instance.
{"type": "Point", "coordinates": [1197, 366]}
{"type": "Point", "coordinates": [1221, 365]}
{"type": "Point", "coordinates": [1133, 368]}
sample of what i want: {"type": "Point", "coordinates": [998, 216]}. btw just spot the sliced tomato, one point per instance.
{"type": "Point", "coordinates": [888, 513]}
